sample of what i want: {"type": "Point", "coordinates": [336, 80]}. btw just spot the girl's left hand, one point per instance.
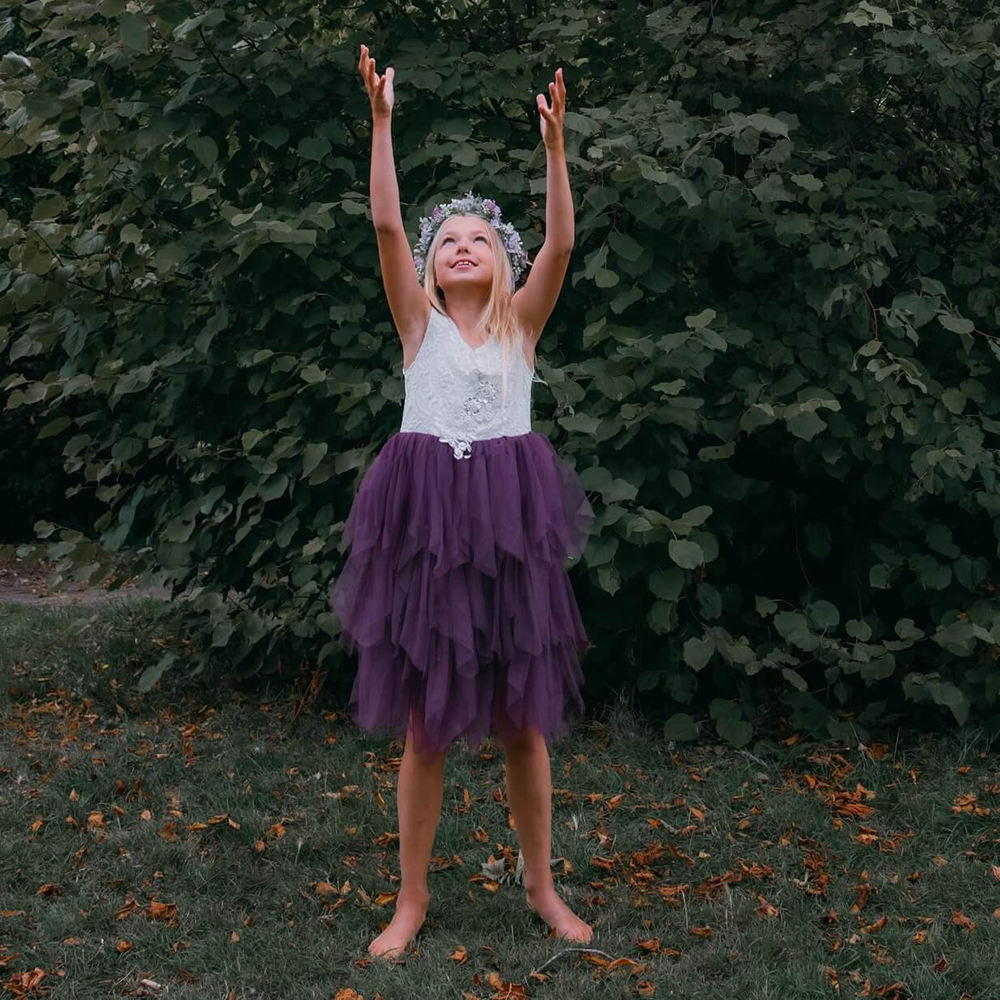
{"type": "Point", "coordinates": [551, 121]}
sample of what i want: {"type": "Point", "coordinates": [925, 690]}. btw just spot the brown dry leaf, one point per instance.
{"type": "Point", "coordinates": [864, 890]}
{"type": "Point", "coordinates": [964, 769]}
{"type": "Point", "coordinates": [505, 991]}
{"type": "Point", "coordinates": [123, 946]}
{"type": "Point", "coordinates": [645, 988]}
{"type": "Point", "coordinates": [996, 913]}
{"type": "Point", "coordinates": [384, 898]}
{"type": "Point", "coordinates": [49, 889]}
{"type": "Point", "coordinates": [680, 855]}
{"type": "Point", "coordinates": [766, 909]}
{"type": "Point", "coordinates": [893, 991]}
{"type": "Point", "coordinates": [831, 976]}
{"type": "Point", "coordinates": [831, 919]}
{"type": "Point", "coordinates": [995, 870]}
{"type": "Point", "coordinates": [703, 932]}
{"type": "Point", "coordinates": [959, 919]}
{"type": "Point", "coordinates": [459, 955]}
{"type": "Point", "coordinates": [650, 944]}
{"type": "Point", "coordinates": [626, 963]}
{"type": "Point", "coordinates": [939, 861]}
{"type": "Point", "coordinates": [919, 937]}
{"type": "Point", "coordinates": [163, 911]}
{"type": "Point", "coordinates": [941, 964]}
{"type": "Point", "coordinates": [876, 926]}
{"type": "Point", "coordinates": [347, 994]}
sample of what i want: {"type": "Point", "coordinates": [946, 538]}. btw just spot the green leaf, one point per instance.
{"type": "Point", "coordinates": [580, 423]}
{"type": "Point", "coordinates": [702, 319]}
{"type": "Point", "coordinates": [274, 487]}
{"type": "Point", "coordinates": [580, 123]}
{"type": "Point", "coordinates": [680, 726]}
{"type": "Point", "coordinates": [687, 555]}
{"type": "Point", "coordinates": [697, 652]}
{"type": "Point", "coordinates": [805, 425]}
{"type": "Point", "coordinates": [134, 32]}
{"type": "Point", "coordinates": [734, 730]}
{"type": "Point", "coordinates": [625, 246]}
{"type": "Point", "coordinates": [823, 614]}
{"type": "Point", "coordinates": [204, 148]}
{"type": "Point", "coordinates": [312, 455]}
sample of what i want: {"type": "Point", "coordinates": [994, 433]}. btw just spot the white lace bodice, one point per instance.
{"type": "Point", "coordinates": [456, 392]}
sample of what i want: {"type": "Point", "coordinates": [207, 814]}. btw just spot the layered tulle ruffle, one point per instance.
{"type": "Point", "coordinates": [455, 594]}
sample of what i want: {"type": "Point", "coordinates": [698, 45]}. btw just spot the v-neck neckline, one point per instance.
{"type": "Point", "coordinates": [460, 337]}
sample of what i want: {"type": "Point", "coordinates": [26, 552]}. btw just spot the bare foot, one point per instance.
{"type": "Point", "coordinates": [550, 907]}
{"type": "Point", "coordinates": [408, 919]}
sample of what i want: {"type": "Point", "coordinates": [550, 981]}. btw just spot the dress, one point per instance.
{"type": "Point", "coordinates": [455, 594]}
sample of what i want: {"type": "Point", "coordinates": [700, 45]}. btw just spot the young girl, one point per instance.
{"type": "Point", "coordinates": [455, 595]}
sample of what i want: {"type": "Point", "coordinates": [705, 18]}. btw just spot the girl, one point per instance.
{"type": "Point", "coordinates": [455, 595]}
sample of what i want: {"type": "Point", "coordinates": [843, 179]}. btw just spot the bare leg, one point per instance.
{"type": "Point", "coordinates": [529, 792]}
{"type": "Point", "coordinates": [419, 791]}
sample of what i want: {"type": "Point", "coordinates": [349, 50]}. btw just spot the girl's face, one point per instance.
{"type": "Point", "coordinates": [465, 255]}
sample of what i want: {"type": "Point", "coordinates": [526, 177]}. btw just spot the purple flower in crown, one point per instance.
{"type": "Point", "coordinates": [486, 209]}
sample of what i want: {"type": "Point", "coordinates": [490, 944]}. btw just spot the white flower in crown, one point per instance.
{"type": "Point", "coordinates": [483, 208]}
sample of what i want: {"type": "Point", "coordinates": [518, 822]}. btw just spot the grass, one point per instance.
{"type": "Point", "coordinates": [196, 836]}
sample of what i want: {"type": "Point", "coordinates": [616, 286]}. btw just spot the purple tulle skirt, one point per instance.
{"type": "Point", "coordinates": [455, 595]}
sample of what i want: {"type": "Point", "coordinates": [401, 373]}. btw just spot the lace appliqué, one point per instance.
{"type": "Point", "coordinates": [486, 389]}
{"type": "Point", "coordinates": [477, 407]}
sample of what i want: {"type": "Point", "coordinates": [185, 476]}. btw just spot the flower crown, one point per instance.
{"type": "Point", "coordinates": [484, 208]}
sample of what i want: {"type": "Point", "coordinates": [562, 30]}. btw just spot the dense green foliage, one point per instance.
{"type": "Point", "coordinates": [774, 361]}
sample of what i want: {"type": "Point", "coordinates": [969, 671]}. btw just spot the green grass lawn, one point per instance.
{"type": "Point", "coordinates": [201, 839]}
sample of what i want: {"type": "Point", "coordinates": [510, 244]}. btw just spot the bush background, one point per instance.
{"type": "Point", "coordinates": [773, 363]}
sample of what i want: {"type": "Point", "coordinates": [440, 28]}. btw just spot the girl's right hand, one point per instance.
{"type": "Point", "coordinates": [379, 87]}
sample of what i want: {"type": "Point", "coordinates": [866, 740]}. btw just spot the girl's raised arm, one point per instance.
{"type": "Point", "coordinates": [408, 302]}
{"type": "Point", "coordinates": [535, 300]}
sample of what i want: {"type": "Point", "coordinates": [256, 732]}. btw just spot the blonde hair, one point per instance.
{"type": "Point", "coordinates": [498, 317]}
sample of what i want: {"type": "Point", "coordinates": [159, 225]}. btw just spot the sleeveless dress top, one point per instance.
{"type": "Point", "coordinates": [456, 392]}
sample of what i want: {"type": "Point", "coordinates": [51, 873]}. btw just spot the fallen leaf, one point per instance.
{"type": "Point", "coordinates": [703, 932]}
{"type": "Point", "coordinates": [459, 955]}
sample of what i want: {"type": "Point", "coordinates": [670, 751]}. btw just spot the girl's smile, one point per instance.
{"type": "Point", "coordinates": [465, 249]}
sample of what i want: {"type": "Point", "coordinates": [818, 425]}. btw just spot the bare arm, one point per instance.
{"type": "Point", "coordinates": [535, 301]}
{"type": "Point", "coordinates": [408, 302]}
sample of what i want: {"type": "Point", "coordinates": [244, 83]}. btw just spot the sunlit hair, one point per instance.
{"type": "Point", "coordinates": [498, 318]}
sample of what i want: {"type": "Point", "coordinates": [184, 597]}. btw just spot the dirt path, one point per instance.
{"type": "Point", "coordinates": [22, 581]}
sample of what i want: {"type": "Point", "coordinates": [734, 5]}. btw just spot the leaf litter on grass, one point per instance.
{"type": "Point", "coordinates": [684, 855]}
